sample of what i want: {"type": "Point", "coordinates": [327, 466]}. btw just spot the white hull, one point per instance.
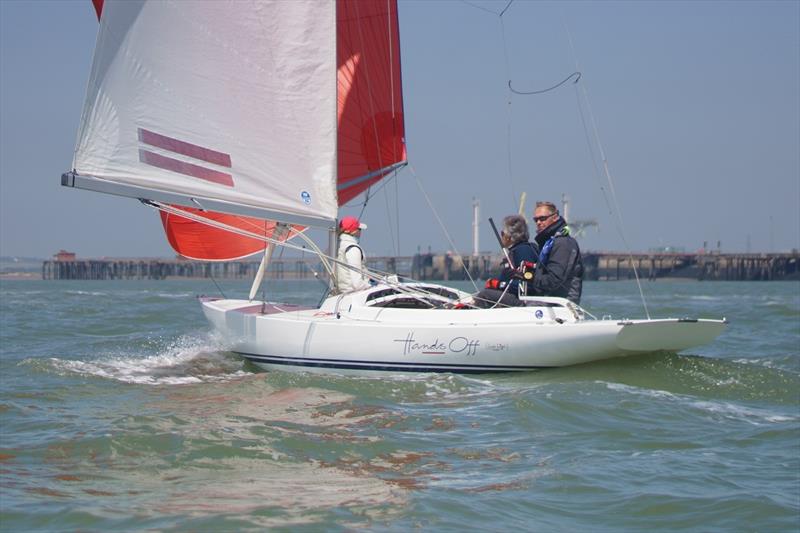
{"type": "Point", "coordinates": [352, 332]}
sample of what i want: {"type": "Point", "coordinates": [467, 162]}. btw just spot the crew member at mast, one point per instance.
{"type": "Point", "coordinates": [559, 271]}
{"type": "Point", "coordinates": [351, 277]}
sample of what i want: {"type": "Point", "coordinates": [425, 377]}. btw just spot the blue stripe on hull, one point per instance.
{"type": "Point", "coordinates": [392, 366]}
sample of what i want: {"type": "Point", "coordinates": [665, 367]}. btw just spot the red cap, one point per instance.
{"type": "Point", "coordinates": [351, 225]}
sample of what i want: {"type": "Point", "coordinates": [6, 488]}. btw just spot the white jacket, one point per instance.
{"type": "Point", "coordinates": [350, 279]}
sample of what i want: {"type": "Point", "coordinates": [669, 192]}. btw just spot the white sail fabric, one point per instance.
{"type": "Point", "coordinates": [227, 101]}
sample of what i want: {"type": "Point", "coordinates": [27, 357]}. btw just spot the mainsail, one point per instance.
{"type": "Point", "coordinates": [242, 113]}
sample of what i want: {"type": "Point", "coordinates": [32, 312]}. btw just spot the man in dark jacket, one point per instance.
{"type": "Point", "coordinates": [559, 271]}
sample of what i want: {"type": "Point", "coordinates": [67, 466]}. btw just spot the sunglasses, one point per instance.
{"type": "Point", "coordinates": [542, 219]}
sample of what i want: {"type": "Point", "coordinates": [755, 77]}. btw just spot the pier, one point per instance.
{"type": "Point", "coordinates": [604, 266]}
{"type": "Point", "coordinates": [715, 267]}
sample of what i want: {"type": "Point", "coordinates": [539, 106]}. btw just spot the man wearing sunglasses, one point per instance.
{"type": "Point", "coordinates": [559, 271]}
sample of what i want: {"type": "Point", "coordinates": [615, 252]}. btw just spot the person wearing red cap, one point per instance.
{"type": "Point", "coordinates": [351, 277]}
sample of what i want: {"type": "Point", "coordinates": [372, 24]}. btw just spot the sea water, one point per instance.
{"type": "Point", "coordinates": [119, 409]}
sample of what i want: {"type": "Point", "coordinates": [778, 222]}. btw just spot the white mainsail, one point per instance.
{"type": "Point", "coordinates": [224, 106]}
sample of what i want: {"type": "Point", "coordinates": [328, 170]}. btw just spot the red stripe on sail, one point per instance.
{"type": "Point", "coordinates": [187, 169]}
{"type": "Point", "coordinates": [182, 147]}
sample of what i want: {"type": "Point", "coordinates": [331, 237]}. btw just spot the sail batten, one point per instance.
{"type": "Point", "coordinates": [374, 174]}
{"type": "Point", "coordinates": [93, 183]}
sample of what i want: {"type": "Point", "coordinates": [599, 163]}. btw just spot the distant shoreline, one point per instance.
{"type": "Point", "coordinates": [29, 276]}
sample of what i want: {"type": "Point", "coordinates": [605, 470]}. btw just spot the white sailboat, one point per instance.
{"type": "Point", "coordinates": [246, 123]}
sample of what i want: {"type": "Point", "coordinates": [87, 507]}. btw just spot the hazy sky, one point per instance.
{"type": "Point", "coordinates": [697, 104]}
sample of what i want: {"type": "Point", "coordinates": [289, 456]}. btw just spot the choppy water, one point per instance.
{"type": "Point", "coordinates": [120, 410]}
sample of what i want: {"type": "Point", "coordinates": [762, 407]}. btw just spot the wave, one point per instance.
{"type": "Point", "coordinates": [187, 360]}
{"type": "Point", "coordinates": [704, 297]}
{"type": "Point", "coordinates": [728, 410]}
{"type": "Point", "coordinates": [86, 293]}
{"type": "Point", "coordinates": [175, 295]}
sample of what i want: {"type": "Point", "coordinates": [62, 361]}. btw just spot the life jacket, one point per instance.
{"type": "Point", "coordinates": [348, 279]}
{"type": "Point", "coordinates": [573, 284]}
{"type": "Point", "coordinates": [544, 254]}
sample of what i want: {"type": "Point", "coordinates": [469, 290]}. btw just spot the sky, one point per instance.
{"type": "Point", "coordinates": [697, 107]}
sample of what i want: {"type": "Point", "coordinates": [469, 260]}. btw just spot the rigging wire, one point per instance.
{"type": "Point", "coordinates": [389, 217]}
{"type": "Point", "coordinates": [392, 37]}
{"type": "Point", "coordinates": [441, 224]}
{"type": "Point", "coordinates": [397, 210]}
{"type": "Point", "coordinates": [370, 193]}
{"type": "Point", "coordinates": [370, 103]}
{"type": "Point", "coordinates": [500, 14]}
{"type": "Point", "coordinates": [509, 166]}
{"type": "Point", "coordinates": [211, 275]}
{"type": "Point", "coordinates": [506, 8]}
{"type": "Point", "coordinates": [470, 4]}
{"type": "Point", "coordinates": [615, 211]}
{"type": "Point", "coordinates": [509, 112]}
{"type": "Point", "coordinates": [373, 274]}
{"type": "Point", "coordinates": [419, 293]}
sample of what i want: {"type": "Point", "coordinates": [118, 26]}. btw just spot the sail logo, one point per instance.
{"type": "Point", "coordinates": [198, 158]}
{"type": "Point", "coordinates": [306, 196]}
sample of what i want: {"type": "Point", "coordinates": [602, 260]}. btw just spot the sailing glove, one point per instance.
{"type": "Point", "coordinates": [494, 283]}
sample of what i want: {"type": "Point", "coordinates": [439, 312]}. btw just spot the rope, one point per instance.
{"type": "Point", "coordinates": [509, 165]}
{"type": "Point", "coordinates": [418, 293]}
{"type": "Point", "coordinates": [413, 292]}
{"type": "Point", "coordinates": [210, 275]}
{"type": "Point", "coordinates": [500, 14]}
{"type": "Point", "coordinates": [371, 102]}
{"type": "Point", "coordinates": [576, 75]}
{"type": "Point", "coordinates": [615, 211]}
{"type": "Point", "coordinates": [441, 224]}
{"type": "Point", "coordinates": [509, 114]}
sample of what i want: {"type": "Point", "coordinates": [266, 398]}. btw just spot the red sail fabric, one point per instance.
{"type": "Point", "coordinates": [371, 132]}
{"type": "Point", "coordinates": [98, 7]}
{"type": "Point", "coordinates": [195, 240]}
{"type": "Point", "coordinates": [371, 135]}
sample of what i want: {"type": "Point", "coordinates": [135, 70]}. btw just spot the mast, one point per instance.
{"type": "Point", "coordinates": [476, 208]}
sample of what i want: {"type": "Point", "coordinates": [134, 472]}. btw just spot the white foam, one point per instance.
{"type": "Point", "coordinates": [729, 410]}
{"type": "Point", "coordinates": [703, 297]}
{"type": "Point", "coordinates": [761, 362]}
{"type": "Point", "coordinates": [186, 361]}
{"type": "Point", "coordinates": [86, 293]}
{"type": "Point", "coordinates": [175, 295]}
{"type": "Point", "coordinates": [725, 409]}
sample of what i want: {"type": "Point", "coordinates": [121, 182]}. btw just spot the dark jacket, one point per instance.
{"type": "Point", "coordinates": [522, 251]}
{"type": "Point", "coordinates": [559, 272]}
